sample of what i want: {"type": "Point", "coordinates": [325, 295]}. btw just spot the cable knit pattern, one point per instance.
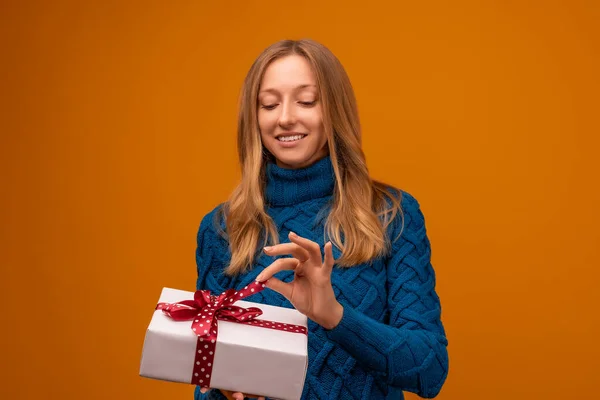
{"type": "Point", "coordinates": [390, 338]}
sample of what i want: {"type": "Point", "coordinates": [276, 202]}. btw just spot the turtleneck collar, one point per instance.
{"type": "Point", "coordinates": [286, 187]}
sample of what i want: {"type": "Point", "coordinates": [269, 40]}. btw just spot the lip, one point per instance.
{"type": "Point", "coordinates": [290, 144]}
{"type": "Point", "coordinates": [289, 134]}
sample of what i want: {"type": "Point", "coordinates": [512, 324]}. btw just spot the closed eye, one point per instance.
{"type": "Point", "coordinates": [304, 103]}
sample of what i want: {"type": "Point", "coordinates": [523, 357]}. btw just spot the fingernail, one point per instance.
{"type": "Point", "coordinates": [259, 278]}
{"type": "Point", "coordinates": [267, 248]}
{"type": "Point", "coordinates": [292, 234]}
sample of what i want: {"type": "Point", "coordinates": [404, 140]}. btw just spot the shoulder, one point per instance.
{"type": "Point", "coordinates": [408, 203]}
{"type": "Point", "coordinates": [410, 219]}
{"type": "Point", "coordinates": [212, 224]}
{"type": "Point", "coordinates": [212, 252]}
{"type": "Point", "coordinates": [414, 220]}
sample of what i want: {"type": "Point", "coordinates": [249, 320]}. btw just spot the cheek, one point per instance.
{"type": "Point", "coordinates": [316, 124]}
{"type": "Point", "coordinates": [265, 123]}
{"type": "Point", "coordinates": [314, 120]}
{"type": "Point", "coordinates": [265, 126]}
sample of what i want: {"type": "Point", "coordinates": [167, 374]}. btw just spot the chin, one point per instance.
{"type": "Point", "coordinates": [292, 162]}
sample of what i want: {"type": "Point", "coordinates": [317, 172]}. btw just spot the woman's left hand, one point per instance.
{"type": "Point", "coordinates": [310, 292]}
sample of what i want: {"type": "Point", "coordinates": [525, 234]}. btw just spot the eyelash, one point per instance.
{"type": "Point", "coordinates": [304, 103]}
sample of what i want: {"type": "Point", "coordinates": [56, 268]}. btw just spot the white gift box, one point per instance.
{"type": "Point", "coordinates": [249, 359]}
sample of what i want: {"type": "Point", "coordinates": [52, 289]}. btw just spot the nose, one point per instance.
{"type": "Point", "coordinates": [287, 116]}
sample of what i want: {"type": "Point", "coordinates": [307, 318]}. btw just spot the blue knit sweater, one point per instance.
{"type": "Point", "coordinates": [390, 338]}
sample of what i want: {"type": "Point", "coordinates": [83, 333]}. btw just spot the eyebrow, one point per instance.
{"type": "Point", "coordinates": [272, 90]}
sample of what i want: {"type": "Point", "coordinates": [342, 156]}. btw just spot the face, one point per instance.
{"type": "Point", "coordinates": [289, 113]}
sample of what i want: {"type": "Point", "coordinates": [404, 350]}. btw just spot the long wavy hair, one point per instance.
{"type": "Point", "coordinates": [361, 208]}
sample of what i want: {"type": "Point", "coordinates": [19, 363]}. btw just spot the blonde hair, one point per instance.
{"type": "Point", "coordinates": [361, 209]}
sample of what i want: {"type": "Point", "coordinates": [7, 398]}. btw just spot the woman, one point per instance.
{"type": "Point", "coordinates": [374, 316]}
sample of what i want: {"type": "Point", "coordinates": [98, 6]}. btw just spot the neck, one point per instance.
{"type": "Point", "coordinates": [287, 187]}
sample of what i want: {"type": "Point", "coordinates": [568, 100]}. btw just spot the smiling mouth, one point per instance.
{"type": "Point", "coordinates": [292, 138]}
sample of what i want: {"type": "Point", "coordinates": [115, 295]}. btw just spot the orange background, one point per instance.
{"type": "Point", "coordinates": [118, 135]}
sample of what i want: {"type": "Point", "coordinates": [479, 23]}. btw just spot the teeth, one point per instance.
{"type": "Point", "coordinates": [290, 138]}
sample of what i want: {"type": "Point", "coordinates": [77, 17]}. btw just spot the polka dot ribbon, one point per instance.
{"type": "Point", "coordinates": [205, 310]}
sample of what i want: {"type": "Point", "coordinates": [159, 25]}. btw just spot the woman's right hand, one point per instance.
{"type": "Point", "coordinates": [233, 395]}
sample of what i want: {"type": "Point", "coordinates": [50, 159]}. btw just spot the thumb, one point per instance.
{"type": "Point", "coordinates": [283, 288]}
{"type": "Point", "coordinates": [329, 261]}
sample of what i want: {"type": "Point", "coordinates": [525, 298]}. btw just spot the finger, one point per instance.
{"type": "Point", "coordinates": [283, 288]}
{"type": "Point", "coordinates": [312, 248]}
{"type": "Point", "coordinates": [203, 390]}
{"type": "Point", "coordinates": [238, 396]}
{"type": "Point", "coordinates": [329, 261]}
{"type": "Point", "coordinates": [287, 248]}
{"type": "Point", "coordinates": [277, 266]}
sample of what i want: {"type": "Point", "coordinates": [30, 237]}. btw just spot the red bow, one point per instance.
{"type": "Point", "coordinates": [206, 309]}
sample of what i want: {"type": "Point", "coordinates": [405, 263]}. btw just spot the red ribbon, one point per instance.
{"type": "Point", "coordinates": [205, 310]}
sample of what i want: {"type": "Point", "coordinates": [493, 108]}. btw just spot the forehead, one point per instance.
{"type": "Point", "coordinates": [288, 73]}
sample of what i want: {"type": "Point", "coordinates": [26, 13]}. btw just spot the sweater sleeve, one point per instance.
{"type": "Point", "coordinates": [204, 251]}
{"type": "Point", "coordinates": [212, 253]}
{"type": "Point", "coordinates": [205, 242]}
{"type": "Point", "coordinates": [409, 351]}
